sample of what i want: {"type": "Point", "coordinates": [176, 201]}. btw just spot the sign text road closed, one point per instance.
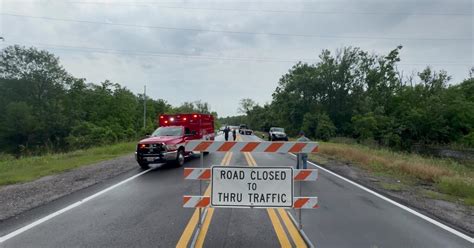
{"type": "Point", "coordinates": [263, 187]}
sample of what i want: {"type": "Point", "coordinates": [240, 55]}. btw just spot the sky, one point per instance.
{"type": "Point", "coordinates": [222, 51]}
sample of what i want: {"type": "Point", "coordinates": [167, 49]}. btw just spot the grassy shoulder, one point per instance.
{"type": "Point", "coordinates": [28, 169]}
{"type": "Point", "coordinates": [451, 180]}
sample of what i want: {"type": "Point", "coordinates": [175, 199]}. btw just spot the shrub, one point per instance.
{"type": "Point", "coordinates": [318, 126]}
{"type": "Point", "coordinates": [468, 139]}
{"type": "Point", "coordinates": [87, 134]}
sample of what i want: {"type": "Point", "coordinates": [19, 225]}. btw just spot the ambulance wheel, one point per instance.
{"type": "Point", "coordinates": [179, 158]}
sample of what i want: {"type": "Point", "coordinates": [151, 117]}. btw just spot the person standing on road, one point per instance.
{"type": "Point", "coordinates": [302, 157]}
{"type": "Point", "coordinates": [226, 133]}
{"type": "Point", "coordinates": [234, 134]}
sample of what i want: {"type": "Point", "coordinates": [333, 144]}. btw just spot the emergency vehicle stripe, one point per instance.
{"type": "Point", "coordinates": [305, 202]}
{"type": "Point", "coordinates": [196, 201]}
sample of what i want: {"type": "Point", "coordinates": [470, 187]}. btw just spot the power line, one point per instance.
{"type": "Point", "coordinates": [159, 4]}
{"type": "Point", "coordinates": [199, 57]}
{"type": "Point", "coordinates": [155, 54]}
{"type": "Point", "coordinates": [234, 32]}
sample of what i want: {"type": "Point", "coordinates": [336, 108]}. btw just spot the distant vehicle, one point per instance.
{"type": "Point", "coordinates": [244, 130]}
{"type": "Point", "coordinates": [166, 144]}
{"type": "Point", "coordinates": [277, 133]}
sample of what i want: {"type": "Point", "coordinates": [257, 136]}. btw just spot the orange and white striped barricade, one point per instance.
{"type": "Point", "coordinates": [197, 173]}
{"type": "Point", "coordinates": [251, 146]}
{"type": "Point", "coordinates": [205, 174]}
{"type": "Point", "coordinates": [201, 174]}
{"type": "Point", "coordinates": [205, 201]}
{"type": "Point", "coordinates": [190, 201]}
{"type": "Point", "coordinates": [305, 202]}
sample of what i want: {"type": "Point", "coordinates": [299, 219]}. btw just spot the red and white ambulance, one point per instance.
{"type": "Point", "coordinates": [166, 144]}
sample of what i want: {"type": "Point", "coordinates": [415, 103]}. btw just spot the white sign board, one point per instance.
{"type": "Point", "coordinates": [264, 187]}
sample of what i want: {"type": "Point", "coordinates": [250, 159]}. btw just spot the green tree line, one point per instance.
{"type": "Point", "coordinates": [43, 108]}
{"type": "Point", "coordinates": [359, 95]}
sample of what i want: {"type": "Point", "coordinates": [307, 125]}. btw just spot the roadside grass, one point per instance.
{"type": "Point", "coordinates": [448, 176]}
{"type": "Point", "coordinates": [393, 186]}
{"type": "Point", "coordinates": [30, 168]}
{"type": "Point", "coordinates": [452, 181]}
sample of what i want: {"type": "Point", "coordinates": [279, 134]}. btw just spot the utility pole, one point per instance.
{"type": "Point", "coordinates": [144, 107]}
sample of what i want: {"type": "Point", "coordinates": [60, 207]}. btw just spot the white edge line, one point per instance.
{"type": "Point", "coordinates": [50, 216]}
{"type": "Point", "coordinates": [432, 221]}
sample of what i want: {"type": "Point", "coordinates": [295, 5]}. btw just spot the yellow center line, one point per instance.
{"type": "Point", "coordinates": [280, 232]}
{"type": "Point", "coordinates": [295, 235]}
{"type": "Point", "coordinates": [210, 212]}
{"type": "Point", "coordinates": [188, 231]}
{"type": "Point", "coordinates": [205, 228]}
{"type": "Point", "coordinates": [284, 241]}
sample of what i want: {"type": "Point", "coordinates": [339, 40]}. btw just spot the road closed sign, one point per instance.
{"type": "Point", "coordinates": [260, 187]}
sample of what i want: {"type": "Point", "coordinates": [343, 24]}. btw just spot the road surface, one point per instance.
{"type": "Point", "coordinates": [146, 211]}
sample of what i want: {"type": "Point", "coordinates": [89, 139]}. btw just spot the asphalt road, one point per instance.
{"type": "Point", "coordinates": [147, 212]}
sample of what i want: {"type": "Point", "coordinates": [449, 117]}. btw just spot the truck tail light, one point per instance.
{"type": "Point", "coordinates": [166, 122]}
{"type": "Point", "coordinates": [184, 119]}
{"type": "Point", "coordinates": [171, 119]}
{"type": "Point", "coordinates": [195, 116]}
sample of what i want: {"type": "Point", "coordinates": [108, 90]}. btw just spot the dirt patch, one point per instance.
{"type": "Point", "coordinates": [414, 196]}
{"type": "Point", "coordinates": [17, 198]}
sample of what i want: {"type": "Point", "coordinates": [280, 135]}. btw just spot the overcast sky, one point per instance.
{"type": "Point", "coordinates": [178, 50]}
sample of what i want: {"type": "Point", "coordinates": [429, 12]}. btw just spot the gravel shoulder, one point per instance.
{"type": "Point", "coordinates": [18, 198]}
{"type": "Point", "coordinates": [453, 214]}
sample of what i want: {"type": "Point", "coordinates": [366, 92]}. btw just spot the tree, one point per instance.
{"type": "Point", "coordinates": [357, 94]}
{"type": "Point", "coordinates": [18, 125]}
{"type": "Point", "coordinates": [43, 108]}
{"type": "Point", "coordinates": [318, 125]}
{"type": "Point", "coordinates": [246, 105]}
{"type": "Point", "coordinates": [42, 82]}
